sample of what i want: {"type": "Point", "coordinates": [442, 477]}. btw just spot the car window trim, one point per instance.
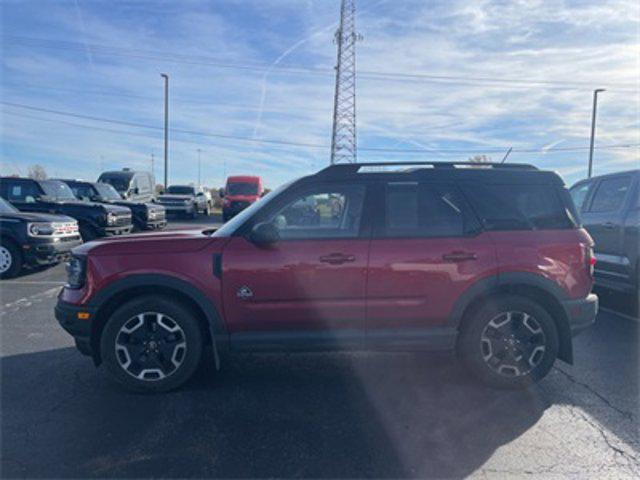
{"type": "Point", "coordinates": [594, 192]}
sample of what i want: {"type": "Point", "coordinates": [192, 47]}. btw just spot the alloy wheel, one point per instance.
{"type": "Point", "coordinates": [513, 344]}
{"type": "Point", "coordinates": [6, 259]}
{"type": "Point", "coordinates": [150, 346]}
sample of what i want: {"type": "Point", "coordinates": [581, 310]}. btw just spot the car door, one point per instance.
{"type": "Point", "coordinates": [603, 217]}
{"type": "Point", "coordinates": [309, 287]}
{"type": "Point", "coordinates": [426, 250]}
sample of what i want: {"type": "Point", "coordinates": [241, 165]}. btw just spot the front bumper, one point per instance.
{"type": "Point", "coordinates": [80, 329]}
{"type": "Point", "coordinates": [581, 313]}
{"type": "Point", "coordinates": [114, 231]}
{"type": "Point", "coordinates": [179, 209]}
{"type": "Point", "coordinates": [155, 225]}
{"type": "Point", "coordinates": [47, 252]}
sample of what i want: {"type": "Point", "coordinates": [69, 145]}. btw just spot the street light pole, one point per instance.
{"type": "Point", "coordinates": [166, 129]}
{"type": "Point", "coordinates": [199, 182]}
{"type": "Point", "coordinates": [593, 128]}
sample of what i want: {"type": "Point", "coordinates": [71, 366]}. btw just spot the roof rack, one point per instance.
{"type": "Point", "coordinates": [346, 168]}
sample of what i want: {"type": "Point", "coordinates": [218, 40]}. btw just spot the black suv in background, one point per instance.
{"type": "Point", "coordinates": [146, 216]}
{"type": "Point", "coordinates": [32, 239]}
{"type": "Point", "coordinates": [610, 209]}
{"type": "Point", "coordinates": [53, 196]}
{"type": "Point", "coordinates": [132, 185]}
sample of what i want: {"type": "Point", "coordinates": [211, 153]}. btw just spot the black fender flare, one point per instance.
{"type": "Point", "coordinates": [494, 283]}
{"type": "Point", "coordinates": [216, 326]}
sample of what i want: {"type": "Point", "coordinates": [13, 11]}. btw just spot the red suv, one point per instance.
{"type": "Point", "coordinates": [490, 262]}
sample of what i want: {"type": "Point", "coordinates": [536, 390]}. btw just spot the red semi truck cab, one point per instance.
{"type": "Point", "coordinates": [240, 192]}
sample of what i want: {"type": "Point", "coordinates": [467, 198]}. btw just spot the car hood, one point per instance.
{"type": "Point", "coordinates": [37, 217]}
{"type": "Point", "coordinates": [153, 243]}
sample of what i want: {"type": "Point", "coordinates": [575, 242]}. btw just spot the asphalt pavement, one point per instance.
{"type": "Point", "coordinates": [320, 415]}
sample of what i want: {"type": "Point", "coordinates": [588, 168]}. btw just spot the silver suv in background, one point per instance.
{"type": "Point", "coordinates": [610, 209]}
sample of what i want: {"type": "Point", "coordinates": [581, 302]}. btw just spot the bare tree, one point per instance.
{"type": "Point", "coordinates": [37, 172]}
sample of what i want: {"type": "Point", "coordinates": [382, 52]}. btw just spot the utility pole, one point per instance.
{"type": "Point", "coordinates": [593, 128]}
{"type": "Point", "coordinates": [199, 182]}
{"type": "Point", "coordinates": [166, 129]}
{"type": "Point", "coordinates": [343, 138]}
{"type": "Point", "coordinates": [153, 166]}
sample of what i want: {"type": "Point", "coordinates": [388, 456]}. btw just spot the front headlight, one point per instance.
{"type": "Point", "coordinates": [187, 202]}
{"type": "Point", "coordinates": [76, 271]}
{"type": "Point", "coordinates": [40, 229]}
{"type": "Point", "coordinates": [111, 218]}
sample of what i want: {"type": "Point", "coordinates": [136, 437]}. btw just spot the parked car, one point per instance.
{"type": "Point", "coordinates": [239, 193]}
{"type": "Point", "coordinates": [610, 209]}
{"type": "Point", "coordinates": [53, 196]}
{"type": "Point", "coordinates": [490, 262]}
{"type": "Point", "coordinates": [137, 186]}
{"type": "Point", "coordinates": [30, 239]}
{"type": "Point", "coordinates": [185, 200]}
{"type": "Point", "coordinates": [146, 216]}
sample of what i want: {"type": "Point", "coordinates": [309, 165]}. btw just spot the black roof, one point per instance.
{"type": "Point", "coordinates": [442, 171]}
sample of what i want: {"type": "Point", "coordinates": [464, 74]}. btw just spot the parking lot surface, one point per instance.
{"type": "Point", "coordinates": [339, 415]}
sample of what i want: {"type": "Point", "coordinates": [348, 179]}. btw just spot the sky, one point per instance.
{"type": "Point", "coordinates": [252, 84]}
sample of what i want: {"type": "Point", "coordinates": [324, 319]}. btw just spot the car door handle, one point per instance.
{"type": "Point", "coordinates": [609, 226]}
{"type": "Point", "coordinates": [459, 256]}
{"type": "Point", "coordinates": [337, 258]}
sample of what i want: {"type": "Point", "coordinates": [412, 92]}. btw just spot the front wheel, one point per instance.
{"type": "Point", "coordinates": [510, 342]}
{"type": "Point", "coordinates": [10, 260]}
{"type": "Point", "coordinates": [151, 344]}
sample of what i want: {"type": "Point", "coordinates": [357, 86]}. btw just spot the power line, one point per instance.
{"type": "Point", "coordinates": [296, 144]}
{"type": "Point", "coordinates": [500, 82]}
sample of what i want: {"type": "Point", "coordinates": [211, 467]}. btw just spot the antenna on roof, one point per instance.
{"type": "Point", "coordinates": [504, 159]}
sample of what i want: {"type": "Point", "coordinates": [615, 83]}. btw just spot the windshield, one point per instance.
{"type": "Point", "coordinates": [57, 190]}
{"type": "Point", "coordinates": [119, 182]}
{"type": "Point", "coordinates": [243, 188]}
{"type": "Point", "coordinates": [107, 191]}
{"type": "Point", "coordinates": [6, 207]}
{"type": "Point", "coordinates": [232, 225]}
{"type": "Point", "coordinates": [179, 190]}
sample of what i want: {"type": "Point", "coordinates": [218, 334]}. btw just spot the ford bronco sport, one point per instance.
{"type": "Point", "coordinates": [490, 262]}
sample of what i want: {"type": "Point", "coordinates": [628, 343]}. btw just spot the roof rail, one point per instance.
{"type": "Point", "coordinates": [355, 167]}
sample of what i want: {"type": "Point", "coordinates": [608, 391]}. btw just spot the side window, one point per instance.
{"type": "Point", "coordinates": [518, 207]}
{"type": "Point", "coordinates": [424, 210]}
{"type": "Point", "coordinates": [82, 191]}
{"type": "Point", "coordinates": [21, 191]}
{"type": "Point", "coordinates": [579, 194]}
{"type": "Point", "coordinates": [610, 194]}
{"type": "Point", "coordinates": [326, 213]}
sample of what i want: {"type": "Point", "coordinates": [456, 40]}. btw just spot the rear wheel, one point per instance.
{"type": "Point", "coordinates": [510, 342]}
{"type": "Point", "coordinates": [151, 344]}
{"type": "Point", "coordinates": [10, 260]}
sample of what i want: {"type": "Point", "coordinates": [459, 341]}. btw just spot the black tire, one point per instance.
{"type": "Point", "coordinates": [11, 259]}
{"type": "Point", "coordinates": [88, 233]}
{"type": "Point", "coordinates": [518, 339]}
{"type": "Point", "coordinates": [190, 335]}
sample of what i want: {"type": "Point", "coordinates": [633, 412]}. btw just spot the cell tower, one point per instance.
{"type": "Point", "coordinates": [343, 139]}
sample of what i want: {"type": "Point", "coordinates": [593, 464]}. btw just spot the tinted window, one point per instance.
{"type": "Point", "coordinates": [20, 191]}
{"type": "Point", "coordinates": [242, 189]}
{"type": "Point", "coordinates": [119, 182]}
{"type": "Point", "coordinates": [326, 213]}
{"type": "Point", "coordinates": [610, 194]}
{"type": "Point", "coordinates": [107, 191]}
{"type": "Point", "coordinates": [82, 190]}
{"type": "Point", "coordinates": [178, 190]}
{"type": "Point", "coordinates": [57, 189]}
{"type": "Point", "coordinates": [422, 210]}
{"type": "Point", "coordinates": [579, 194]}
{"type": "Point", "coordinates": [519, 207]}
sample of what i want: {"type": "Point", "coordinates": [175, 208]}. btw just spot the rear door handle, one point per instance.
{"type": "Point", "coordinates": [609, 226]}
{"type": "Point", "coordinates": [459, 256]}
{"type": "Point", "coordinates": [337, 258]}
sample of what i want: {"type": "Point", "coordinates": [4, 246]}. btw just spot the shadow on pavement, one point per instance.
{"type": "Point", "coordinates": [263, 416]}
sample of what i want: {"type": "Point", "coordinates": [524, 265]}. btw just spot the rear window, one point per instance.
{"type": "Point", "coordinates": [520, 207]}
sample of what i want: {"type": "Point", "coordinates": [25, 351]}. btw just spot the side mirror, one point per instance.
{"type": "Point", "coordinates": [264, 234]}
{"type": "Point", "coordinates": [135, 191]}
{"type": "Point", "coordinates": [221, 192]}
